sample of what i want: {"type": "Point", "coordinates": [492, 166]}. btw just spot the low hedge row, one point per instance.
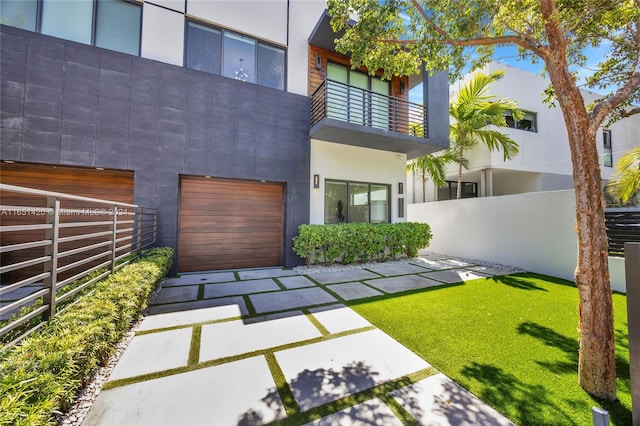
{"type": "Point", "coordinates": [43, 374]}
{"type": "Point", "coordinates": [360, 242]}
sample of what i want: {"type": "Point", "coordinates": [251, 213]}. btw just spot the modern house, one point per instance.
{"type": "Point", "coordinates": [544, 160]}
{"type": "Point", "coordinates": [238, 121]}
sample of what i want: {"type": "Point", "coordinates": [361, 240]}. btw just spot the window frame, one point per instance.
{"type": "Point", "coordinates": [607, 152]}
{"type": "Point", "coordinates": [449, 186]}
{"type": "Point", "coordinates": [534, 124]}
{"type": "Point", "coordinates": [369, 184]}
{"type": "Point", "coordinates": [223, 31]}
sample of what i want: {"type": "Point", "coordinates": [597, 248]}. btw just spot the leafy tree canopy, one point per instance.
{"type": "Point", "coordinates": [399, 35]}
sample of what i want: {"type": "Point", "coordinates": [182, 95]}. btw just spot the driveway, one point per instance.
{"type": "Point", "coordinates": [250, 347]}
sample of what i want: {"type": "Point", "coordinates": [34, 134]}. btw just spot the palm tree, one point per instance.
{"type": "Point", "coordinates": [431, 166]}
{"type": "Point", "coordinates": [625, 183]}
{"type": "Point", "coordinates": [473, 111]}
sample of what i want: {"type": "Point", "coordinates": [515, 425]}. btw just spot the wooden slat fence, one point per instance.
{"type": "Point", "coordinates": [623, 226]}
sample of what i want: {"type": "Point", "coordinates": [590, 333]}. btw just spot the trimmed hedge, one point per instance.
{"type": "Point", "coordinates": [360, 242]}
{"type": "Point", "coordinates": [43, 374]}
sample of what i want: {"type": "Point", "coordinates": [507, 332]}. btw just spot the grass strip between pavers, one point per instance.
{"type": "Point", "coordinates": [194, 348]}
{"type": "Point", "coordinates": [225, 360]}
{"type": "Point", "coordinates": [279, 284]}
{"type": "Point", "coordinates": [288, 400]}
{"type": "Point", "coordinates": [200, 295]}
{"type": "Point", "coordinates": [321, 328]}
{"type": "Point", "coordinates": [249, 304]}
{"type": "Point", "coordinates": [381, 391]}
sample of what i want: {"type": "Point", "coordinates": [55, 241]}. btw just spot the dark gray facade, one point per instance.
{"type": "Point", "coordinates": [66, 103]}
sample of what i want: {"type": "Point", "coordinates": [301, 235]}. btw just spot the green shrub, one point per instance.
{"type": "Point", "coordinates": [360, 242]}
{"type": "Point", "coordinates": [44, 372]}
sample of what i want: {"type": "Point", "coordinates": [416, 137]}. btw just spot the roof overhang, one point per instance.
{"type": "Point", "coordinates": [323, 35]}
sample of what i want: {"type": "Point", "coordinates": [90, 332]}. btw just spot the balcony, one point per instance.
{"type": "Point", "coordinates": [353, 116]}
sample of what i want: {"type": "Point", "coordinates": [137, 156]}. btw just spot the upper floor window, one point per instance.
{"type": "Point", "coordinates": [528, 123]}
{"type": "Point", "coordinates": [608, 149]}
{"type": "Point", "coordinates": [111, 24]}
{"type": "Point", "coordinates": [233, 55]}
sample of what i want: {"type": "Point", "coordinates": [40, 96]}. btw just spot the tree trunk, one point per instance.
{"type": "Point", "coordinates": [596, 362]}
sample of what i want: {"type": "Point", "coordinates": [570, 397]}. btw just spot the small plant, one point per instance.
{"type": "Point", "coordinates": [42, 374]}
{"type": "Point", "coordinates": [360, 242]}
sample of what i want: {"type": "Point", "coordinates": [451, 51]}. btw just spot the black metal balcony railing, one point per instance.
{"type": "Point", "coordinates": [363, 107]}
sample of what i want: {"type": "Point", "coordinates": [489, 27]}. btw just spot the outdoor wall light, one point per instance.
{"type": "Point", "coordinates": [400, 207]}
{"type": "Point", "coordinates": [400, 188]}
{"type": "Point", "coordinates": [402, 87]}
{"type": "Point", "coordinates": [316, 181]}
{"type": "Point", "coordinates": [318, 62]}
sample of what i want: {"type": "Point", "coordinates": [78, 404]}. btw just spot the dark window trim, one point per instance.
{"type": "Point", "coordinates": [453, 192]}
{"type": "Point", "coordinates": [223, 30]}
{"type": "Point", "coordinates": [348, 182]}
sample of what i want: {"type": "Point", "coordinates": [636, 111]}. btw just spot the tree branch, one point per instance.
{"type": "Point", "coordinates": [634, 111]}
{"type": "Point", "coordinates": [522, 41]}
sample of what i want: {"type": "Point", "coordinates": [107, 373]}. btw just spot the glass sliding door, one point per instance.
{"type": "Point", "coordinates": [358, 202]}
{"type": "Point", "coordinates": [358, 98]}
{"type": "Point", "coordinates": [379, 103]}
{"type": "Point", "coordinates": [335, 202]}
{"type": "Point", "coordinates": [337, 91]}
{"type": "Point", "coordinates": [379, 203]}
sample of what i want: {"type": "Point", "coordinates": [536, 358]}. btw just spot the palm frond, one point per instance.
{"type": "Point", "coordinates": [625, 183]}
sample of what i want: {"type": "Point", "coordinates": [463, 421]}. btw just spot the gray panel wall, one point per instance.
{"type": "Point", "coordinates": [72, 104]}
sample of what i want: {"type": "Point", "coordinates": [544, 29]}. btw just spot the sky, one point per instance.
{"type": "Point", "coordinates": [509, 56]}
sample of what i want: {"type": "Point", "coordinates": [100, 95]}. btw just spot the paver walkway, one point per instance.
{"type": "Point", "coordinates": [251, 347]}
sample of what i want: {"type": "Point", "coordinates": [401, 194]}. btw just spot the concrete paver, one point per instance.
{"type": "Point", "coordinates": [290, 299]}
{"type": "Point", "coordinates": [243, 391]}
{"type": "Point", "coordinates": [343, 276]}
{"type": "Point", "coordinates": [238, 337]}
{"type": "Point", "coordinates": [323, 372]}
{"type": "Point", "coordinates": [200, 304]}
{"type": "Point", "coordinates": [198, 278]}
{"type": "Point", "coordinates": [254, 274]}
{"type": "Point", "coordinates": [403, 283]}
{"type": "Point", "coordinates": [438, 400]}
{"type": "Point", "coordinates": [372, 412]}
{"type": "Point", "coordinates": [338, 318]}
{"type": "Point", "coordinates": [149, 353]}
{"type": "Point", "coordinates": [353, 291]}
{"type": "Point", "coordinates": [239, 287]}
{"type": "Point", "coordinates": [193, 316]}
{"type": "Point", "coordinates": [177, 294]}
{"type": "Point", "coordinates": [208, 396]}
{"type": "Point", "coordinates": [397, 269]}
{"type": "Point", "coordinates": [297, 281]}
{"type": "Point", "coordinates": [454, 275]}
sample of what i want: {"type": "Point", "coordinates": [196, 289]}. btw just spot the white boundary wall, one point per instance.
{"type": "Point", "coordinates": [534, 231]}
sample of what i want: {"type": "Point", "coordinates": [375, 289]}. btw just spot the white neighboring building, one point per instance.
{"type": "Point", "coordinates": [544, 161]}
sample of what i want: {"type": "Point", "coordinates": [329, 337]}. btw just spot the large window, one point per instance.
{"type": "Point", "coordinates": [608, 149]}
{"type": "Point", "coordinates": [356, 202]}
{"type": "Point", "coordinates": [223, 52]}
{"type": "Point", "coordinates": [111, 24]}
{"type": "Point", "coordinates": [528, 123]}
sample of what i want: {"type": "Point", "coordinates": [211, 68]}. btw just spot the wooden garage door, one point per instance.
{"type": "Point", "coordinates": [103, 184]}
{"type": "Point", "coordinates": [228, 224]}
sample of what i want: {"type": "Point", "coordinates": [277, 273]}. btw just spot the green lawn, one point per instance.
{"type": "Point", "coordinates": [510, 340]}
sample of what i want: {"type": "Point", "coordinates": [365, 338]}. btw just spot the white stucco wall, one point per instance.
{"type": "Point", "coordinates": [545, 151]}
{"type": "Point", "coordinates": [162, 34]}
{"type": "Point", "coordinates": [344, 162]}
{"type": "Point", "coordinates": [534, 231]}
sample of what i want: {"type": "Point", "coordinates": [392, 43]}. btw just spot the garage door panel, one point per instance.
{"type": "Point", "coordinates": [102, 184]}
{"type": "Point", "coordinates": [227, 224]}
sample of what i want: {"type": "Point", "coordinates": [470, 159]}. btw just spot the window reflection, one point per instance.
{"type": "Point", "coordinates": [19, 13]}
{"type": "Point", "coordinates": [68, 19]}
{"type": "Point", "coordinates": [239, 57]}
